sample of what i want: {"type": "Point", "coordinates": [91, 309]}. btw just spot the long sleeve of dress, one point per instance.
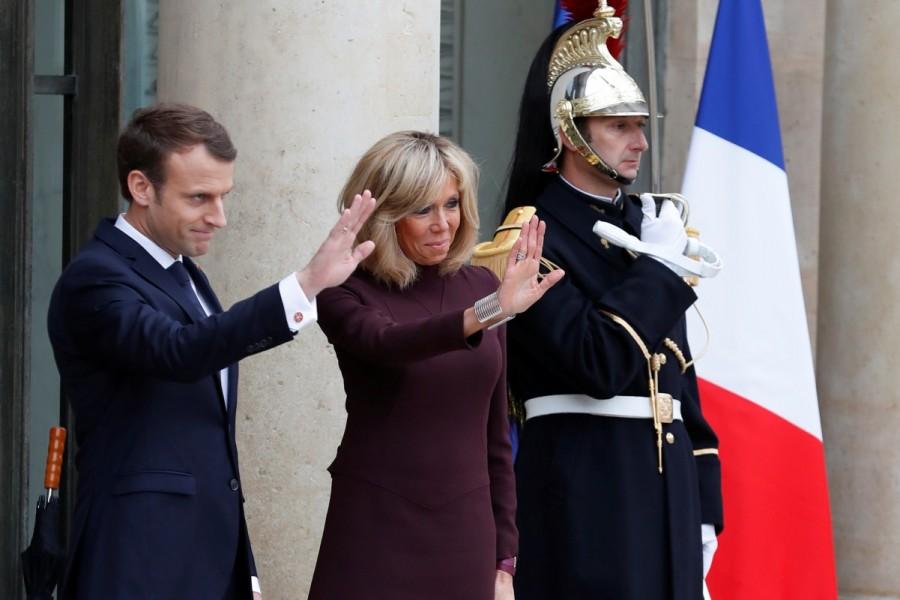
{"type": "Point", "coordinates": [503, 483]}
{"type": "Point", "coordinates": [372, 335]}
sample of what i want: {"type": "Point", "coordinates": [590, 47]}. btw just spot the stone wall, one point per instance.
{"type": "Point", "coordinates": [304, 88]}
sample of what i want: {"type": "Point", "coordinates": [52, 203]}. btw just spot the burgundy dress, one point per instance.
{"type": "Point", "coordinates": [423, 493]}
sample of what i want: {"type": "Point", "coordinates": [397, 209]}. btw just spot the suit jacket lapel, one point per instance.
{"type": "Point", "coordinates": [150, 270]}
{"type": "Point", "coordinates": [144, 265]}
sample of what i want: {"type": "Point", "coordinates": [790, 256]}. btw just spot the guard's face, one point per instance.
{"type": "Point", "coordinates": [425, 237]}
{"type": "Point", "coordinates": [620, 141]}
{"type": "Point", "coordinates": [186, 211]}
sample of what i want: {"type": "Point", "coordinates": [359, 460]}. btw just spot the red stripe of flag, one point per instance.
{"type": "Point", "coordinates": [777, 542]}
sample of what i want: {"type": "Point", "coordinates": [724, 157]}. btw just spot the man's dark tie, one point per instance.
{"type": "Point", "coordinates": [183, 278]}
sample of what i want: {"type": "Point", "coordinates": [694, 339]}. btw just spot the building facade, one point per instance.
{"type": "Point", "coordinates": [304, 88]}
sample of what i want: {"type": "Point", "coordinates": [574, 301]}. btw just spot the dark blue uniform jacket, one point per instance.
{"type": "Point", "coordinates": [596, 519]}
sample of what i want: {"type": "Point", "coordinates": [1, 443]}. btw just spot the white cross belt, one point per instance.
{"type": "Point", "coordinates": [627, 407]}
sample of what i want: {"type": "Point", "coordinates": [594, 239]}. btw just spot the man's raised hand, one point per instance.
{"type": "Point", "coordinates": [337, 257]}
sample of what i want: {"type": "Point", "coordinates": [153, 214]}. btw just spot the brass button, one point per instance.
{"type": "Point", "coordinates": [670, 437]}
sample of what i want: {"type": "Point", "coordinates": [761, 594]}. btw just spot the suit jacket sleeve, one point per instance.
{"type": "Point", "coordinates": [109, 316]}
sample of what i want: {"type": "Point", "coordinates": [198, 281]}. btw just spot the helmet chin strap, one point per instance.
{"type": "Point", "coordinates": [570, 131]}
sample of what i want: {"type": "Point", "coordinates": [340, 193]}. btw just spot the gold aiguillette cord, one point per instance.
{"type": "Point", "coordinates": [654, 364]}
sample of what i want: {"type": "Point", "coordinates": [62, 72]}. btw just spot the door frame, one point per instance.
{"type": "Point", "coordinates": [92, 91]}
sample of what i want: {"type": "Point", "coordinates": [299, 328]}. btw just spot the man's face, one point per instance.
{"type": "Point", "coordinates": [183, 214]}
{"type": "Point", "coordinates": [620, 141]}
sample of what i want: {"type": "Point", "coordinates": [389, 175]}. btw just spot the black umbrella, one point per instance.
{"type": "Point", "coordinates": [42, 561]}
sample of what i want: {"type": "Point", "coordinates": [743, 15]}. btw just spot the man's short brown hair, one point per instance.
{"type": "Point", "coordinates": [157, 131]}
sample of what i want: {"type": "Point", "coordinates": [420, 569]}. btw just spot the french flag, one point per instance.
{"type": "Point", "coordinates": [756, 382]}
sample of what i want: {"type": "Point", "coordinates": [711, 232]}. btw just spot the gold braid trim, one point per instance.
{"type": "Point", "coordinates": [547, 264]}
{"type": "Point", "coordinates": [706, 452]}
{"type": "Point", "coordinates": [634, 335]}
{"type": "Point", "coordinates": [654, 364]}
{"type": "Point", "coordinates": [679, 355]}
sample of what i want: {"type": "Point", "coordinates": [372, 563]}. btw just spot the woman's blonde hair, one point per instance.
{"type": "Point", "coordinates": [406, 171]}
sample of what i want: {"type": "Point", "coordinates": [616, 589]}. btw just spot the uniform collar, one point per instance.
{"type": "Point", "coordinates": [579, 211]}
{"type": "Point", "coordinates": [615, 200]}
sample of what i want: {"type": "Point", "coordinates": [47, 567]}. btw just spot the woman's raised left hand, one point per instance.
{"type": "Point", "coordinates": [522, 286]}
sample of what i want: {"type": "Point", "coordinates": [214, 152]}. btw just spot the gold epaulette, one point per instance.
{"type": "Point", "coordinates": [494, 254]}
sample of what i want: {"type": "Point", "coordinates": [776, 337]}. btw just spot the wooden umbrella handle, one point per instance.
{"type": "Point", "coordinates": [55, 452]}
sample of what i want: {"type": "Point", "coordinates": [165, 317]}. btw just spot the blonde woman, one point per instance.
{"type": "Point", "coordinates": [423, 494]}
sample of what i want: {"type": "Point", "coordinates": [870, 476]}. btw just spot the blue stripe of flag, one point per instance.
{"type": "Point", "coordinates": [738, 98]}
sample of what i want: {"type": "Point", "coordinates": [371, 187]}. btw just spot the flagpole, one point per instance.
{"type": "Point", "coordinates": [653, 101]}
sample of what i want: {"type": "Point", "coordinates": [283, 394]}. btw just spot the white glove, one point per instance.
{"type": "Point", "coordinates": [663, 237]}
{"type": "Point", "coordinates": [666, 230]}
{"type": "Point", "coordinates": [710, 543]}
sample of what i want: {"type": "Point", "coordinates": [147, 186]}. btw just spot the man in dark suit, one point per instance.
{"type": "Point", "coordinates": [148, 360]}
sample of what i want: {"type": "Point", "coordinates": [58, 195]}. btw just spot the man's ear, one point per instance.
{"type": "Point", "coordinates": [141, 188]}
{"type": "Point", "coordinates": [566, 142]}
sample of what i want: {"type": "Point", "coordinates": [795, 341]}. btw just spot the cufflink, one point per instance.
{"type": "Point", "coordinates": [298, 316]}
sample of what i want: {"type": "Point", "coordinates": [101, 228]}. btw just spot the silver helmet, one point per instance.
{"type": "Point", "coordinates": [586, 81]}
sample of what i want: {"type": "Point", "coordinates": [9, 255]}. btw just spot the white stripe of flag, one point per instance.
{"type": "Point", "coordinates": [757, 380]}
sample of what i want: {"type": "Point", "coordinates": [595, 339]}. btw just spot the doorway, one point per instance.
{"type": "Point", "coordinates": [59, 118]}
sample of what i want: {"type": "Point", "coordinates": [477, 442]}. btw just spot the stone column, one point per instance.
{"type": "Point", "coordinates": [304, 87]}
{"type": "Point", "coordinates": [859, 286]}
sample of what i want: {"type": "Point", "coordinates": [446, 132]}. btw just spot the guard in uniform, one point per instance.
{"type": "Point", "coordinates": [619, 493]}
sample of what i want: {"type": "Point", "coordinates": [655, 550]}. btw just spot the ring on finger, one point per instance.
{"type": "Point", "coordinates": [520, 256]}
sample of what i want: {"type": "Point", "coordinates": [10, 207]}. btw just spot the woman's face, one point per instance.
{"type": "Point", "coordinates": [425, 236]}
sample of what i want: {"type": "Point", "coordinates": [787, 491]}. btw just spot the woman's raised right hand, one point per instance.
{"type": "Point", "coordinates": [522, 285]}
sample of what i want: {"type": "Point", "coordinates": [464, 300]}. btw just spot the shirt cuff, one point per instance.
{"type": "Point", "coordinates": [254, 585]}
{"type": "Point", "coordinates": [298, 310]}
